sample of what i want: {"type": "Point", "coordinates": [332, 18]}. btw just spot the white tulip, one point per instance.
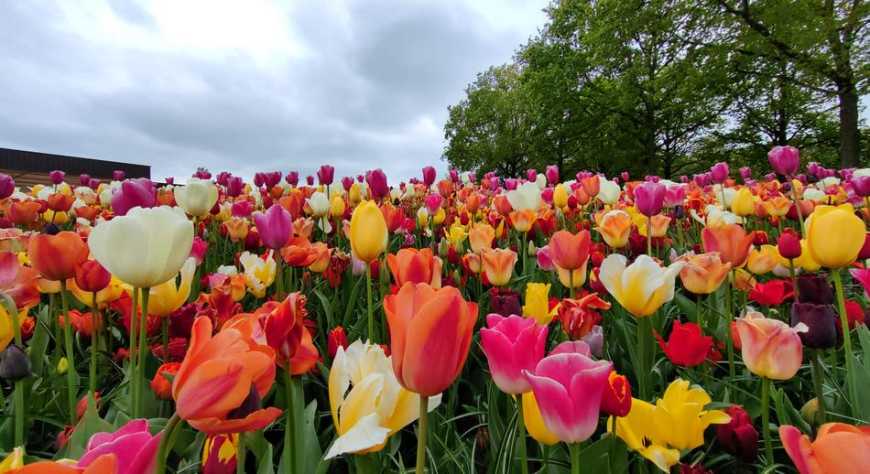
{"type": "Point", "coordinates": [144, 248]}
{"type": "Point", "coordinates": [527, 197]}
{"type": "Point", "coordinates": [197, 197]}
{"type": "Point", "coordinates": [319, 204]}
{"type": "Point", "coordinates": [608, 191]}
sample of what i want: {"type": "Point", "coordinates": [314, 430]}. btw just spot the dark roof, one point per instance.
{"type": "Point", "coordinates": [30, 167]}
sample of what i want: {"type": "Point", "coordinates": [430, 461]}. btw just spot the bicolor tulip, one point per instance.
{"type": "Point", "coordinates": [198, 197]}
{"type": "Point", "coordinates": [220, 454]}
{"type": "Point", "coordinates": [430, 335]}
{"type": "Point", "coordinates": [480, 236]}
{"type": "Point", "coordinates": [704, 273]}
{"type": "Point", "coordinates": [415, 266]}
{"type": "Point", "coordinates": [259, 272]}
{"type": "Point", "coordinates": [498, 264]}
{"type": "Point", "coordinates": [642, 287]}
{"type": "Point", "coordinates": [835, 235]}
{"type": "Point", "coordinates": [56, 257]}
{"type": "Point", "coordinates": [368, 232]}
{"type": "Point", "coordinates": [222, 380]}
{"type": "Point", "coordinates": [568, 388]}
{"type": "Point", "coordinates": [275, 226]}
{"type": "Point", "coordinates": [367, 403]}
{"type": "Point", "coordinates": [133, 446]}
{"type": "Point", "coordinates": [838, 448]}
{"type": "Point", "coordinates": [616, 400]}
{"type": "Point", "coordinates": [731, 242]}
{"type": "Point", "coordinates": [570, 251]}
{"type": "Point", "coordinates": [770, 348]}
{"type": "Point", "coordinates": [512, 345]}
{"type": "Point", "coordinates": [615, 228]}
{"type": "Point", "coordinates": [145, 247]}
{"type": "Point", "coordinates": [535, 425]}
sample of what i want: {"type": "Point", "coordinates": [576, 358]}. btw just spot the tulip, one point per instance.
{"type": "Point", "coordinates": [498, 264]}
{"type": "Point", "coordinates": [220, 454]}
{"type": "Point", "coordinates": [570, 251]}
{"type": "Point", "coordinates": [368, 232]}
{"type": "Point", "coordinates": [608, 191]}
{"type": "Point", "coordinates": [222, 379]}
{"type": "Point", "coordinates": [376, 406]}
{"type": "Point", "coordinates": [770, 348]}
{"type": "Point", "coordinates": [198, 197]}
{"type": "Point", "coordinates": [785, 160]}
{"type": "Point", "coordinates": [132, 193]}
{"type": "Point", "coordinates": [326, 174]}
{"type": "Point", "coordinates": [275, 226]}
{"type": "Point", "coordinates": [719, 172]}
{"type": "Point", "coordinates": [560, 196]}
{"type": "Point", "coordinates": [821, 323]}
{"type": "Point", "coordinates": [616, 400]}
{"type": "Point", "coordinates": [703, 274]}
{"type": "Point", "coordinates": [743, 203]}
{"type": "Point", "coordinates": [642, 287]}
{"type": "Point", "coordinates": [537, 304]}
{"type": "Point", "coordinates": [14, 363]}
{"type": "Point", "coordinates": [415, 266]}
{"type": "Point", "coordinates": [730, 240]}
{"type": "Point", "coordinates": [527, 197]}
{"type": "Point", "coordinates": [686, 346]}
{"type": "Point", "coordinates": [649, 198]}
{"type": "Point", "coordinates": [319, 204]}
{"type": "Point", "coordinates": [681, 409]}
{"type": "Point", "coordinates": [771, 293]}
{"type": "Point", "coordinates": [168, 296]}
{"type": "Point", "coordinates": [534, 421]}
{"type": "Point", "coordinates": [92, 277]}
{"type": "Point", "coordinates": [615, 228]}
{"type": "Point", "coordinates": [7, 185]}
{"type": "Point", "coordinates": [578, 316]}
{"type": "Point", "coordinates": [260, 272]}
{"type": "Point", "coordinates": [504, 301]}
{"type": "Point", "coordinates": [57, 256]}
{"type": "Point", "coordinates": [322, 254]}
{"type": "Point", "coordinates": [480, 237]}
{"type": "Point", "coordinates": [838, 448]}
{"type": "Point", "coordinates": [337, 338]}
{"type": "Point", "coordinates": [133, 446]}
{"type": "Point", "coordinates": [429, 175]}
{"type": "Point", "coordinates": [763, 260]}
{"type": "Point", "coordinates": [835, 235]}
{"type": "Point", "coordinates": [738, 436]}
{"type": "Point", "coordinates": [161, 384]}
{"type": "Point", "coordinates": [377, 184]}
{"type": "Point", "coordinates": [789, 244]}
{"type": "Point", "coordinates": [512, 345]}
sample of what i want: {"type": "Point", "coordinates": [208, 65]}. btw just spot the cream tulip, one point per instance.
{"type": "Point", "coordinates": [197, 197]}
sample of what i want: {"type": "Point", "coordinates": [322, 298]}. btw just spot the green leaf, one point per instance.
{"type": "Point", "coordinates": [262, 450]}
{"type": "Point", "coordinates": [90, 424]}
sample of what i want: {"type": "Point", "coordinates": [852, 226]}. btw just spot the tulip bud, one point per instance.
{"type": "Point", "coordinates": [161, 384]}
{"type": "Point", "coordinates": [789, 244]}
{"type": "Point", "coordinates": [739, 436]}
{"type": "Point", "coordinates": [810, 412]}
{"type": "Point", "coordinates": [62, 366]}
{"type": "Point", "coordinates": [821, 321]}
{"type": "Point", "coordinates": [337, 338]}
{"type": "Point", "coordinates": [14, 364]}
{"type": "Point", "coordinates": [92, 276]}
{"type": "Point", "coordinates": [616, 400]}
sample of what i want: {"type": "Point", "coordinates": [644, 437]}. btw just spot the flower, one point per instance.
{"type": "Point", "coordinates": [821, 322]}
{"type": "Point", "coordinates": [578, 316]}
{"type": "Point", "coordinates": [703, 274]}
{"type": "Point", "coordinates": [56, 257]}
{"type": "Point", "coordinates": [615, 228]}
{"type": "Point", "coordinates": [259, 272]}
{"type": "Point", "coordinates": [375, 407]}
{"type": "Point", "coordinates": [504, 301]}
{"type": "Point", "coordinates": [570, 251]}
{"type": "Point", "coordinates": [568, 388]}
{"type": "Point", "coordinates": [527, 197]}
{"type": "Point", "coordinates": [222, 379]}
{"type": "Point", "coordinates": [616, 400]}
{"type": "Point", "coordinates": [770, 348]}
{"type": "Point", "coordinates": [838, 448]}
{"type": "Point", "coordinates": [415, 266]}
{"type": "Point", "coordinates": [170, 295]}
{"type": "Point", "coordinates": [537, 304]}
{"type": "Point", "coordinates": [198, 197]}
{"type": "Point", "coordinates": [789, 244]}
{"type": "Point", "coordinates": [336, 338]}
{"type": "Point", "coordinates": [92, 277]}
{"type": "Point", "coordinates": [132, 193]}
{"type": "Point", "coordinates": [145, 247]}
{"type": "Point", "coordinates": [785, 160]}
{"type": "Point", "coordinates": [642, 287]}
{"type": "Point", "coordinates": [835, 235]}
{"type": "Point", "coordinates": [687, 346]}
{"type": "Point", "coordinates": [730, 240]}
{"type": "Point", "coordinates": [763, 259]}
{"type": "Point", "coordinates": [133, 446]}
{"type": "Point", "coordinates": [512, 345]}
{"type": "Point", "coordinates": [480, 236]}
{"type": "Point", "coordinates": [738, 436]}
{"type": "Point", "coordinates": [368, 232]}
{"type": "Point", "coordinates": [771, 293]}
{"type": "Point", "coordinates": [319, 204]}
{"type": "Point", "coordinates": [498, 264]}
{"type": "Point", "coordinates": [275, 226]}
{"type": "Point", "coordinates": [161, 384]}
{"type": "Point", "coordinates": [743, 203]}
{"type": "Point", "coordinates": [649, 198]}
{"type": "Point", "coordinates": [430, 335]}
{"type": "Point", "coordinates": [534, 421]}
{"type": "Point", "coordinates": [219, 454]}
{"type": "Point", "coordinates": [326, 174]}
{"type": "Point", "coordinates": [676, 422]}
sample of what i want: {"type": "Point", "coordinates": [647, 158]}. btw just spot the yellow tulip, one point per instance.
{"type": "Point", "coordinates": [764, 259]}
{"type": "Point", "coordinates": [835, 235]}
{"type": "Point", "coordinates": [105, 296]}
{"type": "Point", "coordinates": [368, 232]}
{"type": "Point", "coordinates": [15, 460]}
{"type": "Point", "coordinates": [337, 207]}
{"type": "Point", "coordinates": [259, 272]}
{"type": "Point", "coordinates": [572, 278]}
{"type": "Point", "coordinates": [6, 328]}
{"type": "Point", "coordinates": [354, 194]}
{"type": "Point", "coordinates": [537, 304]}
{"type": "Point", "coordinates": [456, 235]}
{"type": "Point", "coordinates": [675, 423]}
{"type": "Point", "coordinates": [534, 423]}
{"type": "Point", "coordinates": [169, 296]}
{"type": "Point", "coordinates": [660, 223]}
{"type": "Point", "coordinates": [743, 203]}
{"type": "Point", "coordinates": [805, 261]}
{"type": "Point", "coordinates": [375, 407]}
{"type": "Point", "coordinates": [422, 217]}
{"type": "Point", "coordinates": [560, 196]}
{"type": "Point", "coordinates": [642, 287]}
{"type": "Point", "coordinates": [439, 216]}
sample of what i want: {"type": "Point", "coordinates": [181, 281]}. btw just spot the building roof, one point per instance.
{"type": "Point", "coordinates": [29, 167]}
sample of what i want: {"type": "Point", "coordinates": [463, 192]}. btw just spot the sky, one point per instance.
{"type": "Point", "coordinates": [247, 86]}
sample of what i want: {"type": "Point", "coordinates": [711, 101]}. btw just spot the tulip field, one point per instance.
{"type": "Point", "coordinates": [448, 323]}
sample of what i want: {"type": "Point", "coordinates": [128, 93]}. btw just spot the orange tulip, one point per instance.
{"type": "Point", "coordinates": [237, 228]}
{"type": "Point", "coordinates": [24, 212]}
{"type": "Point", "coordinates": [480, 237]}
{"type": "Point", "coordinates": [394, 216]}
{"type": "Point", "coordinates": [838, 448]}
{"type": "Point", "coordinates": [570, 251]}
{"type": "Point", "coordinates": [56, 256]}
{"type": "Point", "coordinates": [704, 273]}
{"type": "Point", "coordinates": [59, 202]}
{"type": "Point", "coordinates": [615, 228]}
{"type": "Point", "coordinates": [498, 265]}
{"type": "Point", "coordinates": [322, 253]}
{"type": "Point", "coordinates": [777, 206]}
{"type": "Point", "coordinates": [222, 377]}
{"type": "Point", "coordinates": [298, 252]}
{"type": "Point", "coordinates": [430, 335]}
{"type": "Point", "coordinates": [107, 463]}
{"type": "Point", "coordinates": [415, 266]}
{"type": "Point", "coordinates": [730, 240]}
{"type": "Point", "coordinates": [523, 220]}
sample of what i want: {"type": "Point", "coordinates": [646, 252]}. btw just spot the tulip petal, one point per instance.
{"type": "Point", "coordinates": [366, 433]}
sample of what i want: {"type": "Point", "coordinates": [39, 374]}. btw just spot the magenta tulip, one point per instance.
{"type": "Point", "coordinates": [568, 388]}
{"type": "Point", "coordinates": [274, 226]}
{"type": "Point", "coordinates": [326, 174]}
{"type": "Point", "coordinates": [719, 172]}
{"type": "Point", "coordinates": [133, 445]}
{"type": "Point", "coordinates": [649, 198]}
{"type": "Point", "coordinates": [552, 174]}
{"type": "Point", "coordinates": [377, 182]}
{"type": "Point", "coordinates": [84, 179]}
{"type": "Point", "coordinates": [118, 175]}
{"type": "Point", "coordinates": [7, 185]}
{"type": "Point", "coordinates": [785, 160]}
{"type": "Point", "coordinates": [347, 183]}
{"type": "Point", "coordinates": [139, 192]}
{"type": "Point", "coordinates": [861, 185]}
{"type": "Point", "coordinates": [429, 175]}
{"type": "Point", "coordinates": [56, 177]}
{"type": "Point", "coordinates": [292, 178]}
{"type": "Point", "coordinates": [512, 345]}
{"type": "Point", "coordinates": [202, 173]}
{"type": "Point", "coordinates": [510, 184]}
{"type": "Point", "coordinates": [235, 186]}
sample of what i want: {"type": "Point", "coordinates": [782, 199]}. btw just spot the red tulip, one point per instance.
{"type": "Point", "coordinates": [771, 293]}
{"type": "Point", "coordinates": [91, 276]}
{"type": "Point", "coordinates": [56, 256]}
{"type": "Point", "coordinates": [686, 346]}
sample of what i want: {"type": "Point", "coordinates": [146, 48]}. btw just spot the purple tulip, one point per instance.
{"type": "Point", "coordinates": [118, 175]}
{"type": "Point", "coordinates": [745, 173]}
{"type": "Point", "coordinates": [326, 174]}
{"type": "Point", "coordinates": [861, 185]}
{"type": "Point", "coordinates": [347, 183]}
{"type": "Point", "coordinates": [719, 172]}
{"type": "Point", "coordinates": [429, 175]}
{"type": "Point", "coordinates": [510, 184]}
{"type": "Point", "coordinates": [531, 174]}
{"type": "Point", "coordinates": [133, 445]}
{"type": "Point", "coordinates": [821, 321]}
{"type": "Point", "coordinates": [309, 180]}
{"type": "Point", "coordinates": [377, 183]}
{"type": "Point", "coordinates": [56, 177]}
{"type": "Point", "coordinates": [272, 178]}
{"type": "Point", "coordinates": [649, 198]}
{"type": "Point", "coordinates": [552, 173]}
{"type": "Point", "coordinates": [7, 185]}
{"type": "Point", "coordinates": [275, 226]}
{"type": "Point", "coordinates": [84, 179]}
{"type": "Point", "coordinates": [813, 169]}
{"type": "Point", "coordinates": [785, 160]}
{"type": "Point", "coordinates": [235, 185]}
{"type": "Point", "coordinates": [292, 178]}
{"type": "Point", "coordinates": [454, 175]}
{"type": "Point", "coordinates": [222, 178]}
{"type": "Point", "coordinates": [137, 192]}
{"type": "Point", "coordinates": [202, 173]}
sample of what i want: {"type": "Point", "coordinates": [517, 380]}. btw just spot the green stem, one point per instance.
{"type": "Point", "coordinates": [70, 356]}
{"type": "Point", "coordinates": [818, 381]}
{"type": "Point", "coordinates": [649, 235]}
{"type": "Point", "coordinates": [421, 434]}
{"type": "Point", "coordinates": [240, 455]}
{"type": "Point", "coordinates": [134, 326]}
{"type": "Point", "coordinates": [18, 396]}
{"type": "Point", "coordinates": [729, 316]}
{"type": "Point", "coordinates": [644, 333]}
{"type": "Point", "coordinates": [279, 276]}
{"type": "Point", "coordinates": [765, 419]}
{"type": "Point", "coordinates": [166, 443]}
{"type": "Point", "coordinates": [140, 366]}
{"type": "Point", "coordinates": [369, 312]}
{"type": "Point", "coordinates": [521, 436]}
{"type": "Point", "coordinates": [574, 448]}
{"type": "Point", "coordinates": [847, 342]}
{"type": "Point", "coordinates": [289, 453]}
{"type": "Point", "coordinates": [95, 335]}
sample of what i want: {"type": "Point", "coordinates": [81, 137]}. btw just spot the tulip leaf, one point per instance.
{"type": "Point", "coordinates": [89, 424]}
{"type": "Point", "coordinates": [39, 342]}
{"type": "Point", "coordinates": [327, 308]}
{"type": "Point", "coordinates": [352, 300]}
{"type": "Point", "coordinates": [862, 375]}
{"type": "Point", "coordinates": [262, 450]}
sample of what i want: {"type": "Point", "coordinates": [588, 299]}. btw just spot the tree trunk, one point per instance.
{"type": "Point", "coordinates": [849, 140]}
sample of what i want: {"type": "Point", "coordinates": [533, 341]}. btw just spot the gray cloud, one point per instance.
{"type": "Point", "coordinates": [357, 84]}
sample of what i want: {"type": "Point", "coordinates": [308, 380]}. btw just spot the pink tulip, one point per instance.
{"type": "Point", "coordinates": [649, 198]}
{"type": "Point", "coordinates": [545, 259]}
{"type": "Point", "coordinates": [785, 160]}
{"type": "Point", "coordinates": [242, 208]}
{"type": "Point", "coordinates": [568, 388]}
{"type": "Point", "coordinates": [326, 174]}
{"type": "Point", "coordinates": [572, 347]}
{"type": "Point", "coordinates": [139, 192]}
{"type": "Point", "coordinates": [674, 196]}
{"type": "Point", "coordinates": [134, 447]}
{"type": "Point", "coordinates": [118, 175]}
{"type": "Point", "coordinates": [56, 176]}
{"type": "Point", "coordinates": [429, 175]}
{"type": "Point", "coordinates": [7, 185]}
{"type": "Point", "coordinates": [770, 348]}
{"type": "Point", "coordinates": [292, 178]}
{"type": "Point", "coordinates": [512, 345]}
{"type": "Point", "coordinates": [274, 226]}
{"type": "Point", "coordinates": [552, 174]}
{"type": "Point", "coordinates": [862, 276]}
{"type": "Point", "coordinates": [719, 172]}
{"type": "Point", "coordinates": [198, 249]}
{"type": "Point", "coordinates": [433, 203]}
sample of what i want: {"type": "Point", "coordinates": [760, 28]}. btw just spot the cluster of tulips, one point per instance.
{"type": "Point", "coordinates": [528, 324]}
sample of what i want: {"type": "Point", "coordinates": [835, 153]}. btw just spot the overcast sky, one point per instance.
{"type": "Point", "coordinates": [250, 85]}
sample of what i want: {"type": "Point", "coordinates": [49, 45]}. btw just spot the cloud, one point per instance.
{"type": "Point", "coordinates": [248, 86]}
